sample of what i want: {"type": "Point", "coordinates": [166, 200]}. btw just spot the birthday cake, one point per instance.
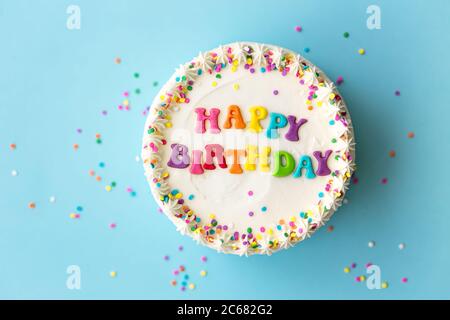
{"type": "Point", "coordinates": [248, 148]}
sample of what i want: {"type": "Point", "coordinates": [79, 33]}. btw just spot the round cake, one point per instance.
{"type": "Point", "coordinates": [248, 148]}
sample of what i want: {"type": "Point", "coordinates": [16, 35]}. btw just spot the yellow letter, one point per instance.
{"type": "Point", "coordinates": [252, 154]}
{"type": "Point", "coordinates": [256, 113]}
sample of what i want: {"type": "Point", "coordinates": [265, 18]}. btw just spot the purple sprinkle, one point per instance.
{"type": "Point", "coordinates": [397, 92]}
{"type": "Point", "coordinates": [275, 92]}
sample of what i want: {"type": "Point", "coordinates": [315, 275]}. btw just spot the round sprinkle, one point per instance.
{"type": "Point", "coordinates": [346, 34]}
{"type": "Point", "coordinates": [12, 146]}
{"type": "Point", "coordinates": [136, 75]}
{"type": "Point", "coordinates": [108, 188]}
{"type": "Point", "coordinates": [264, 209]}
{"type": "Point", "coordinates": [118, 60]}
{"type": "Point", "coordinates": [79, 208]}
{"type": "Point", "coordinates": [113, 274]}
{"type": "Point", "coordinates": [384, 181]}
{"type": "Point", "coordinates": [101, 164]}
{"type": "Point", "coordinates": [401, 246]}
{"type": "Point", "coordinates": [251, 213]}
{"type": "Point", "coordinates": [362, 278]}
{"type": "Point", "coordinates": [235, 87]}
{"type": "Point", "coordinates": [203, 273]}
{"type": "Point", "coordinates": [52, 199]}
{"type": "Point", "coordinates": [385, 285]}
{"type": "Point", "coordinates": [166, 258]}
{"type": "Point", "coordinates": [32, 205]}
{"type": "Point", "coordinates": [346, 270]}
{"type": "Point", "coordinates": [307, 49]}
{"type": "Point", "coordinates": [339, 80]}
{"type": "Point", "coordinates": [320, 194]}
{"type": "Point", "coordinates": [397, 93]}
{"type": "Point", "coordinates": [404, 280]}
{"type": "Point", "coordinates": [275, 92]}
{"type": "Point", "coordinates": [371, 244]}
{"type": "Point", "coordinates": [411, 135]}
{"type": "Point", "coordinates": [173, 283]}
{"type": "Point", "coordinates": [203, 258]}
{"type": "Point", "coordinates": [392, 154]}
{"type": "Point", "coordinates": [14, 173]}
{"type": "Point", "coordinates": [330, 228]}
{"type": "Point", "coordinates": [298, 29]}
{"type": "Point", "coordinates": [362, 51]}
{"type": "Point", "coordinates": [353, 265]}
{"type": "Point", "coordinates": [250, 193]}
{"type": "Point", "coordinates": [112, 225]}
{"type": "Point", "coordinates": [191, 286]}
{"type": "Point", "coordinates": [191, 197]}
{"type": "Point", "coordinates": [180, 248]}
{"type": "Point", "coordinates": [214, 83]}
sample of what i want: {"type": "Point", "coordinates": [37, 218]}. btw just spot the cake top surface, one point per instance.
{"type": "Point", "coordinates": [248, 148]}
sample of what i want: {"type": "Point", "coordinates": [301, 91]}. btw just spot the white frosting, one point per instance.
{"type": "Point", "coordinates": [225, 195]}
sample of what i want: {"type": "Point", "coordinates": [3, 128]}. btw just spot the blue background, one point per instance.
{"type": "Point", "coordinates": [54, 80]}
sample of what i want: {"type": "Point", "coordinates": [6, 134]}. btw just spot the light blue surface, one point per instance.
{"type": "Point", "coordinates": [54, 80]}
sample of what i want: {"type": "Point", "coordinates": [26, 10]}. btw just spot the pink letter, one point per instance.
{"type": "Point", "coordinates": [200, 126]}
{"type": "Point", "coordinates": [214, 150]}
{"type": "Point", "coordinates": [196, 167]}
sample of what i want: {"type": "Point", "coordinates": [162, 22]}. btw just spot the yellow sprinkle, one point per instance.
{"type": "Point", "coordinates": [293, 219]}
{"type": "Point", "coordinates": [214, 83]}
{"type": "Point", "coordinates": [235, 63]}
{"type": "Point", "coordinates": [384, 285]}
{"type": "Point", "coordinates": [332, 96]}
{"type": "Point", "coordinates": [319, 103]}
{"type": "Point", "coordinates": [235, 86]}
{"type": "Point", "coordinates": [113, 274]}
{"type": "Point", "coordinates": [108, 188]}
{"type": "Point", "coordinates": [270, 231]}
{"type": "Point", "coordinates": [362, 278]}
{"type": "Point", "coordinates": [191, 286]}
{"type": "Point", "coordinates": [212, 216]}
{"type": "Point", "coordinates": [259, 236]}
{"type": "Point", "coordinates": [72, 215]}
{"type": "Point", "coordinates": [249, 61]}
{"type": "Point", "coordinates": [233, 68]}
{"type": "Point", "coordinates": [162, 97]}
{"type": "Point", "coordinates": [361, 51]}
{"type": "Point", "coordinates": [203, 273]}
{"type": "Point", "coordinates": [168, 124]}
{"type": "Point", "coordinates": [347, 270]}
{"type": "Point", "coordinates": [125, 102]}
{"type": "Point", "coordinates": [182, 100]}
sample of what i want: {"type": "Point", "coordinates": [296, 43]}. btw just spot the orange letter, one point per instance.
{"type": "Point", "coordinates": [234, 113]}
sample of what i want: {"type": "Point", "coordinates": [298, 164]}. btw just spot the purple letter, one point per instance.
{"type": "Point", "coordinates": [292, 134]}
{"type": "Point", "coordinates": [179, 158]}
{"type": "Point", "coordinates": [323, 169]}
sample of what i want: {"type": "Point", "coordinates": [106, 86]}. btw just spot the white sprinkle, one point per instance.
{"type": "Point", "coordinates": [345, 201]}
{"type": "Point", "coordinates": [14, 173]}
{"type": "Point", "coordinates": [401, 246]}
{"type": "Point", "coordinates": [371, 244]}
{"type": "Point", "coordinates": [52, 199]}
{"type": "Point", "coordinates": [137, 159]}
